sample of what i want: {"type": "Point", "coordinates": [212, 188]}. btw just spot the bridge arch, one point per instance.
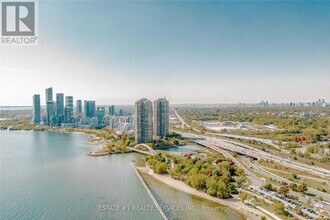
{"type": "Point", "coordinates": [151, 150]}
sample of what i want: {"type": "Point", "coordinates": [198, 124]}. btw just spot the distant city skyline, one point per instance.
{"type": "Point", "coordinates": [190, 103]}
{"type": "Point", "coordinates": [189, 52]}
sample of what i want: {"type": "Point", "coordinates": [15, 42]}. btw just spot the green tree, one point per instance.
{"type": "Point", "coordinates": [198, 181]}
{"type": "Point", "coordinates": [212, 182]}
{"type": "Point", "coordinates": [160, 168]}
{"type": "Point", "coordinates": [240, 180]}
{"type": "Point", "coordinates": [268, 186]}
{"type": "Point", "coordinates": [243, 196]}
{"type": "Point", "coordinates": [211, 191]}
{"type": "Point", "coordinates": [239, 171]}
{"type": "Point", "coordinates": [223, 190]}
{"type": "Point", "coordinates": [279, 208]}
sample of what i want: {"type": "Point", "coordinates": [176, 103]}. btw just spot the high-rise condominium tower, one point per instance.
{"type": "Point", "coordinates": [89, 109]}
{"type": "Point", "coordinates": [143, 121]}
{"type": "Point", "coordinates": [51, 107]}
{"type": "Point", "coordinates": [49, 94]}
{"type": "Point", "coordinates": [78, 108]}
{"type": "Point", "coordinates": [161, 117]}
{"type": "Point", "coordinates": [121, 112]}
{"type": "Point", "coordinates": [60, 107]}
{"type": "Point", "coordinates": [85, 107]}
{"type": "Point", "coordinates": [100, 112]}
{"type": "Point", "coordinates": [36, 109]}
{"type": "Point", "coordinates": [68, 109]}
{"type": "Point", "coordinates": [112, 110]}
{"type": "Point", "coordinates": [50, 113]}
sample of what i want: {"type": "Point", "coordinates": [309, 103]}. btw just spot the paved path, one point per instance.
{"type": "Point", "coordinates": [150, 193]}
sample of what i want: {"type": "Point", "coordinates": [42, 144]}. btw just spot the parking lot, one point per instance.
{"type": "Point", "coordinates": [287, 202]}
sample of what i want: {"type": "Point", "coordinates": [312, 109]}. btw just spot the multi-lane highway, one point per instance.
{"type": "Point", "coordinates": [261, 140]}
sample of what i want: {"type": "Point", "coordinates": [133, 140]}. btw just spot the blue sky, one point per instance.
{"type": "Point", "coordinates": [223, 52]}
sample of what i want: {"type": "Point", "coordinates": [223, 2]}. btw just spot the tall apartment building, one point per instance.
{"type": "Point", "coordinates": [78, 108]}
{"type": "Point", "coordinates": [49, 94]}
{"type": "Point", "coordinates": [50, 113]}
{"type": "Point", "coordinates": [68, 114]}
{"type": "Point", "coordinates": [112, 110]}
{"type": "Point", "coordinates": [143, 121]}
{"type": "Point", "coordinates": [59, 104]}
{"type": "Point", "coordinates": [161, 117]}
{"type": "Point", "coordinates": [121, 112]}
{"type": "Point", "coordinates": [100, 113]}
{"type": "Point", "coordinates": [36, 109]}
{"type": "Point", "coordinates": [85, 108]}
{"type": "Point", "coordinates": [89, 109]}
{"type": "Point", "coordinates": [51, 107]}
{"type": "Point", "coordinates": [60, 107]}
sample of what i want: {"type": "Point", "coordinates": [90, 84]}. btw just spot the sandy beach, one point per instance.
{"type": "Point", "coordinates": [233, 203]}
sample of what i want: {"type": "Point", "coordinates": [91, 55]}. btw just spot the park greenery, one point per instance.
{"type": "Point", "coordinates": [121, 143]}
{"type": "Point", "coordinates": [214, 174]}
{"type": "Point", "coordinates": [20, 125]}
{"type": "Point", "coordinates": [171, 139]}
{"type": "Point", "coordinates": [279, 209]}
{"type": "Point", "coordinates": [17, 114]}
{"type": "Point", "coordinates": [298, 176]}
{"type": "Point", "coordinates": [284, 190]}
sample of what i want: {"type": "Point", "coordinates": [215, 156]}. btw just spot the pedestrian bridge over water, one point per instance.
{"type": "Point", "coordinates": [150, 151]}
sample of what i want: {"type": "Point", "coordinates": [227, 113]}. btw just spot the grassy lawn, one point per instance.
{"type": "Point", "coordinates": [287, 173]}
{"type": "Point", "coordinates": [312, 162]}
{"type": "Point", "coordinates": [280, 167]}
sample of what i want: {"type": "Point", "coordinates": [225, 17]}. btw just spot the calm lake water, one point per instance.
{"type": "Point", "coordinates": [47, 175]}
{"type": "Point", "coordinates": [182, 149]}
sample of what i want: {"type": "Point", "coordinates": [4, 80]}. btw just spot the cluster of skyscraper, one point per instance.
{"type": "Point", "coordinates": [151, 120]}
{"type": "Point", "coordinates": [61, 111]}
{"type": "Point", "coordinates": [264, 103]}
{"type": "Point", "coordinates": [57, 112]}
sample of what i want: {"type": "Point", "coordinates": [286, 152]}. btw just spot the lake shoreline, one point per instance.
{"type": "Point", "coordinates": [47, 175]}
{"type": "Point", "coordinates": [92, 140]}
{"type": "Point", "coordinates": [91, 136]}
{"type": "Point", "coordinates": [233, 203]}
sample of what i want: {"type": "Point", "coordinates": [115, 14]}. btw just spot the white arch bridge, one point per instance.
{"type": "Point", "coordinates": [151, 150]}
